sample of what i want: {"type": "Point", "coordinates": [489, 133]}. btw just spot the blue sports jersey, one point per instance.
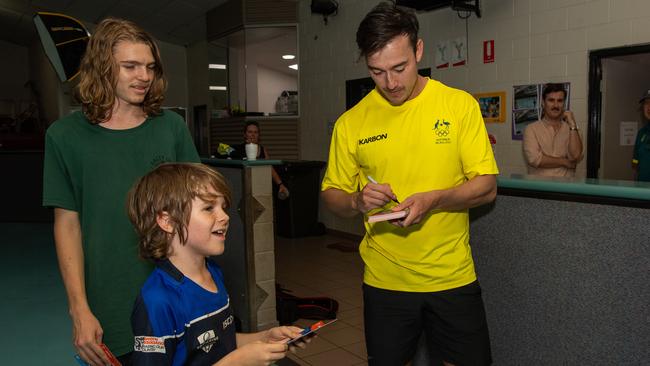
{"type": "Point", "coordinates": [177, 322]}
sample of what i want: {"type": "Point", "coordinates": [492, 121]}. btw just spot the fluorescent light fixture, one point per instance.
{"type": "Point", "coordinates": [217, 66]}
{"type": "Point", "coordinates": [288, 57]}
{"type": "Point", "coordinates": [212, 87]}
{"type": "Point", "coordinates": [294, 66]}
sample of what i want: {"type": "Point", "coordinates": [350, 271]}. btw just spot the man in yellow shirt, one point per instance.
{"type": "Point", "coordinates": [427, 147]}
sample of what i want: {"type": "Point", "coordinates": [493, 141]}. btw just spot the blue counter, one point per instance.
{"type": "Point", "coordinates": [578, 186]}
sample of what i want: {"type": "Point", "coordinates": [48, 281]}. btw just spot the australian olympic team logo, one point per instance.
{"type": "Point", "coordinates": [441, 128]}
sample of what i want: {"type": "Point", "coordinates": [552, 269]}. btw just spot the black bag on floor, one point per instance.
{"type": "Point", "coordinates": [290, 308]}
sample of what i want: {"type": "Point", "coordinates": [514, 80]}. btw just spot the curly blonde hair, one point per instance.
{"type": "Point", "coordinates": [98, 70]}
{"type": "Point", "coordinates": [170, 189]}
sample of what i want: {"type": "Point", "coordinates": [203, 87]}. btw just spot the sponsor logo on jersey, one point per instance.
{"type": "Point", "coordinates": [228, 321]}
{"type": "Point", "coordinates": [442, 129]}
{"type": "Point", "coordinates": [148, 344]}
{"type": "Point", "coordinates": [207, 340]}
{"type": "Point", "coordinates": [370, 139]}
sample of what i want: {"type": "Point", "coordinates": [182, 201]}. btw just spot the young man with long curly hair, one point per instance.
{"type": "Point", "coordinates": [91, 160]}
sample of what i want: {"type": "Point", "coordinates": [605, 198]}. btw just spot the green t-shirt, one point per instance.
{"type": "Point", "coordinates": [90, 169]}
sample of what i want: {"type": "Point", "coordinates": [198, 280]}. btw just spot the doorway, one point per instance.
{"type": "Point", "coordinates": [617, 79]}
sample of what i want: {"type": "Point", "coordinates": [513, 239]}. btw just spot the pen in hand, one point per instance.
{"type": "Point", "coordinates": [372, 180]}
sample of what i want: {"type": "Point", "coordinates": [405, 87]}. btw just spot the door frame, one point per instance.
{"type": "Point", "coordinates": [595, 100]}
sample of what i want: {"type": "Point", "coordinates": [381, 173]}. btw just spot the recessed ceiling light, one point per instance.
{"type": "Point", "coordinates": [217, 66]}
{"type": "Point", "coordinates": [288, 57]}
{"type": "Point", "coordinates": [212, 87]}
{"type": "Point", "coordinates": [294, 66]}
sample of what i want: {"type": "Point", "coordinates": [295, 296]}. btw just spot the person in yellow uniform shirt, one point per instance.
{"type": "Point", "coordinates": [426, 146]}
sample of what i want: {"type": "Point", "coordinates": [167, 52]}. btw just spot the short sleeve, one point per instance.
{"type": "Point", "coordinates": [342, 168]}
{"type": "Point", "coordinates": [474, 145]}
{"type": "Point", "coordinates": [57, 183]}
{"type": "Point", "coordinates": [149, 347]}
{"type": "Point", "coordinates": [185, 148]}
{"type": "Point", "coordinates": [532, 150]}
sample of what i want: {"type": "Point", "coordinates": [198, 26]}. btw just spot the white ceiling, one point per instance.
{"type": "Point", "coordinates": [180, 22]}
{"type": "Point", "coordinates": [265, 46]}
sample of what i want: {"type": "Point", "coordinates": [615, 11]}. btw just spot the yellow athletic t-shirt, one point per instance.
{"type": "Point", "coordinates": [434, 141]}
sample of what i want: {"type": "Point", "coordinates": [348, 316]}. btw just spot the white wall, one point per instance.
{"type": "Point", "coordinates": [535, 41]}
{"type": "Point", "coordinates": [272, 83]}
{"type": "Point", "coordinates": [198, 75]}
{"type": "Point", "coordinates": [174, 60]}
{"type": "Point", "coordinates": [237, 74]}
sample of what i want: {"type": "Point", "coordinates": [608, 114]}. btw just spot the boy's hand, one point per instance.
{"type": "Point", "coordinates": [87, 336]}
{"type": "Point", "coordinates": [284, 334]}
{"type": "Point", "coordinates": [255, 354]}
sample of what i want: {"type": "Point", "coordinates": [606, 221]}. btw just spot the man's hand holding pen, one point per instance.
{"type": "Point", "coordinates": [373, 195]}
{"type": "Point", "coordinates": [417, 206]}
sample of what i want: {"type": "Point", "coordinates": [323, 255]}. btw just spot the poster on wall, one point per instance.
{"type": "Point", "coordinates": [442, 55]}
{"type": "Point", "coordinates": [493, 106]}
{"type": "Point", "coordinates": [527, 106]}
{"type": "Point", "coordinates": [458, 52]}
{"type": "Point", "coordinates": [627, 133]}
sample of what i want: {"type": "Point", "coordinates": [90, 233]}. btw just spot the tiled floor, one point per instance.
{"type": "Point", "coordinates": [307, 267]}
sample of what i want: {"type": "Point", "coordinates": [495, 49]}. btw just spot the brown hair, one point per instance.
{"type": "Point", "coordinates": [251, 123]}
{"type": "Point", "coordinates": [98, 70]}
{"type": "Point", "coordinates": [170, 189]}
{"type": "Point", "coordinates": [383, 23]}
{"type": "Point", "coordinates": [553, 88]}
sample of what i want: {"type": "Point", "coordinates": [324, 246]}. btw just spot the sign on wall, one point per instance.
{"type": "Point", "coordinates": [488, 51]}
{"type": "Point", "coordinates": [442, 55]}
{"type": "Point", "coordinates": [458, 52]}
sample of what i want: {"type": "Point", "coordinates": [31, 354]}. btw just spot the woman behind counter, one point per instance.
{"type": "Point", "coordinates": [252, 135]}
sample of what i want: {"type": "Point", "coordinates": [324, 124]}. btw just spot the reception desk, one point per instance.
{"type": "Point", "coordinates": [248, 262]}
{"type": "Point", "coordinates": [564, 266]}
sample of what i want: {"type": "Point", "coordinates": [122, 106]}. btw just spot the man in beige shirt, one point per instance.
{"type": "Point", "coordinates": [552, 145]}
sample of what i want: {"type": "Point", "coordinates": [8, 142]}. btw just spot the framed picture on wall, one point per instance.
{"type": "Point", "coordinates": [356, 89]}
{"type": "Point", "coordinates": [493, 106]}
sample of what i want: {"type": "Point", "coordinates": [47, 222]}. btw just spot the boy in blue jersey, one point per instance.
{"type": "Point", "coordinates": [182, 315]}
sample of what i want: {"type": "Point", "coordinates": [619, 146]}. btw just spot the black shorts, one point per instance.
{"type": "Point", "coordinates": [453, 321]}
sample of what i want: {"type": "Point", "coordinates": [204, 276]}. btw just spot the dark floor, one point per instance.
{"type": "Point", "coordinates": [35, 322]}
{"type": "Point", "coordinates": [326, 266]}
